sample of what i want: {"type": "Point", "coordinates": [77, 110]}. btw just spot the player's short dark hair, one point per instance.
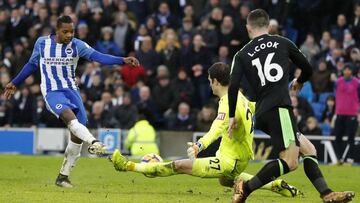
{"type": "Point", "coordinates": [63, 19]}
{"type": "Point", "coordinates": [258, 18]}
{"type": "Point", "coordinates": [221, 72]}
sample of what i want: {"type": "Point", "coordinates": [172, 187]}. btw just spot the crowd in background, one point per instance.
{"type": "Point", "coordinates": [175, 41]}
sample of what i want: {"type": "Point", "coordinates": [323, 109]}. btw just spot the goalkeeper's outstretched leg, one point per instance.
{"type": "Point", "coordinates": [210, 167]}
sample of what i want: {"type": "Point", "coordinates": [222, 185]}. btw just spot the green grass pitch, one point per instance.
{"type": "Point", "coordinates": [31, 179]}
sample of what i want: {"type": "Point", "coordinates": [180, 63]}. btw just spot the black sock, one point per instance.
{"type": "Point", "coordinates": [268, 173]}
{"type": "Point", "coordinates": [314, 174]}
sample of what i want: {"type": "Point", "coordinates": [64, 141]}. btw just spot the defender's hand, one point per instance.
{"type": "Point", "coordinates": [232, 125]}
{"type": "Point", "coordinates": [193, 150]}
{"type": "Point", "coordinates": [295, 85]}
{"type": "Point", "coordinates": [10, 89]}
{"type": "Point", "coordinates": [132, 61]}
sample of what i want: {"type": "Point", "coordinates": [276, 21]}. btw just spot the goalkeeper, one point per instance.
{"type": "Point", "coordinates": [234, 152]}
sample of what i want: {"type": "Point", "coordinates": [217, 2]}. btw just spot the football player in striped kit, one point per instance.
{"type": "Point", "coordinates": [56, 56]}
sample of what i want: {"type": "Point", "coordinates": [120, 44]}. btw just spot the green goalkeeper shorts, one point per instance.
{"type": "Point", "coordinates": [214, 167]}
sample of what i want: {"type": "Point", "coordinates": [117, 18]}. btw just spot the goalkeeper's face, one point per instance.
{"type": "Point", "coordinates": [213, 85]}
{"type": "Point", "coordinates": [65, 32]}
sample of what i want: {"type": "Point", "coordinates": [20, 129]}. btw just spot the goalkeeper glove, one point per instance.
{"type": "Point", "coordinates": [194, 149]}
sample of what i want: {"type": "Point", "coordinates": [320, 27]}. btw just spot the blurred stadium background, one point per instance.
{"type": "Point", "coordinates": [175, 42]}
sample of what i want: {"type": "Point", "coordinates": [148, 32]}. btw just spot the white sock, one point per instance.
{"type": "Point", "coordinates": [72, 154]}
{"type": "Point", "coordinates": [80, 131]}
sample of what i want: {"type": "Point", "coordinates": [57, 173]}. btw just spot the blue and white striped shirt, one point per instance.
{"type": "Point", "coordinates": [57, 62]}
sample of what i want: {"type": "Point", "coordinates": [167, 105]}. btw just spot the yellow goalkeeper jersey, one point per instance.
{"type": "Point", "coordinates": [240, 146]}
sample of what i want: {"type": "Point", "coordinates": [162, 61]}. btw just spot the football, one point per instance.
{"type": "Point", "coordinates": [151, 158]}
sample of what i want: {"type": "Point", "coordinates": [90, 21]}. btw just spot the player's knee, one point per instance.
{"type": "Point", "coordinates": [311, 150]}
{"type": "Point", "coordinates": [292, 163]}
{"type": "Point", "coordinates": [226, 182]}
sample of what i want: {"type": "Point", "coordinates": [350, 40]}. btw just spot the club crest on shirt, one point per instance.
{"type": "Point", "coordinates": [69, 51]}
{"type": "Point", "coordinates": [221, 116]}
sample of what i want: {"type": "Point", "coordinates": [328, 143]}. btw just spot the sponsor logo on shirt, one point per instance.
{"type": "Point", "coordinates": [58, 106]}
{"type": "Point", "coordinates": [221, 116]}
{"type": "Point", "coordinates": [69, 51]}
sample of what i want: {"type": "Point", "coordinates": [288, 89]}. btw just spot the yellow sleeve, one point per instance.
{"type": "Point", "coordinates": [130, 139]}
{"type": "Point", "coordinates": [218, 127]}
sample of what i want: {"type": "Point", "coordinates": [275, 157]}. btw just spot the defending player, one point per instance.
{"type": "Point", "coordinates": [56, 56]}
{"type": "Point", "coordinates": [264, 61]}
{"type": "Point", "coordinates": [233, 155]}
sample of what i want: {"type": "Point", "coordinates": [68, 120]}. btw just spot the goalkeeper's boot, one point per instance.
{"type": "Point", "coordinates": [239, 195]}
{"type": "Point", "coordinates": [338, 197]}
{"type": "Point", "coordinates": [283, 188]}
{"type": "Point", "coordinates": [119, 161]}
{"type": "Point", "coordinates": [97, 148]}
{"type": "Point", "coordinates": [63, 181]}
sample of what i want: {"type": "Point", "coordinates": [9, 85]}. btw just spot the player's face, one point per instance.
{"type": "Point", "coordinates": [65, 33]}
{"type": "Point", "coordinates": [212, 85]}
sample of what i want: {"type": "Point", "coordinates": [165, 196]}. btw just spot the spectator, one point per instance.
{"type": "Point", "coordinates": [304, 108]}
{"type": "Point", "coordinates": [163, 41]}
{"type": "Point", "coordinates": [223, 55]}
{"type": "Point", "coordinates": [4, 111]}
{"type": "Point", "coordinates": [123, 7]}
{"type": "Point", "coordinates": [329, 112]}
{"type": "Point", "coordinates": [90, 71]}
{"type": "Point", "coordinates": [309, 48]}
{"type": "Point", "coordinates": [96, 22]}
{"type": "Point", "coordinates": [163, 95]}
{"type": "Point", "coordinates": [182, 120]}
{"type": "Point", "coordinates": [339, 29]}
{"type": "Point", "coordinates": [97, 87]}
{"type": "Point", "coordinates": [300, 120]}
{"type": "Point", "coordinates": [118, 97]}
{"type": "Point", "coordinates": [346, 109]}
{"type": "Point", "coordinates": [321, 81]}
{"type": "Point", "coordinates": [3, 26]}
{"type": "Point", "coordinates": [209, 35]}
{"type": "Point", "coordinates": [96, 120]}
{"type": "Point", "coordinates": [355, 61]}
{"type": "Point", "coordinates": [83, 12]}
{"type": "Point", "coordinates": [216, 17]}
{"type": "Point", "coordinates": [182, 87]}
{"type": "Point", "coordinates": [274, 27]}
{"type": "Point", "coordinates": [348, 43]}
{"type": "Point", "coordinates": [312, 127]}
{"type": "Point", "coordinates": [23, 112]}
{"type": "Point", "coordinates": [147, 105]}
{"type": "Point", "coordinates": [201, 84]}
{"type": "Point", "coordinates": [147, 56]}
{"type": "Point", "coordinates": [106, 99]}
{"type": "Point", "coordinates": [141, 139]}
{"type": "Point", "coordinates": [107, 45]}
{"type": "Point", "coordinates": [21, 57]}
{"type": "Point", "coordinates": [205, 118]}
{"type": "Point", "coordinates": [229, 35]}
{"type": "Point", "coordinates": [139, 36]}
{"type": "Point", "coordinates": [83, 33]}
{"type": "Point", "coordinates": [325, 40]}
{"type": "Point", "coordinates": [125, 114]}
{"type": "Point", "coordinates": [198, 55]}
{"type": "Point", "coordinates": [16, 27]}
{"type": "Point", "coordinates": [355, 26]}
{"type": "Point", "coordinates": [170, 54]}
{"type": "Point", "coordinates": [164, 17]}
{"type": "Point", "coordinates": [187, 27]}
{"type": "Point", "coordinates": [232, 9]}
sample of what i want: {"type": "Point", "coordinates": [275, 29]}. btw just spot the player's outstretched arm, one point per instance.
{"type": "Point", "coordinates": [107, 59]}
{"type": "Point", "coordinates": [235, 78]}
{"type": "Point", "coordinates": [10, 88]}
